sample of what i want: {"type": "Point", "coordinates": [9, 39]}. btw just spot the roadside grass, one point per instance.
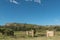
{"type": "Point", "coordinates": [22, 36]}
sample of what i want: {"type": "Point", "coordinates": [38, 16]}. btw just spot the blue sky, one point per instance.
{"type": "Point", "coordinates": [41, 12]}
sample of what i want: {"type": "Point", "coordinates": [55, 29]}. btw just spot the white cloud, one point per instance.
{"type": "Point", "coordinates": [14, 1]}
{"type": "Point", "coordinates": [37, 1]}
{"type": "Point", "coordinates": [28, 0]}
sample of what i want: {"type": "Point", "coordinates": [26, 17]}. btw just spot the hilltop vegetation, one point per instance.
{"type": "Point", "coordinates": [24, 27]}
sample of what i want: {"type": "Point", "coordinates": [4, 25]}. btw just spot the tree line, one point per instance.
{"type": "Point", "coordinates": [24, 27]}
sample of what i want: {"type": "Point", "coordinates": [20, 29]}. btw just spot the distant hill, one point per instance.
{"type": "Point", "coordinates": [25, 26]}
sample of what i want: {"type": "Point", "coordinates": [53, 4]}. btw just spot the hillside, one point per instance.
{"type": "Point", "coordinates": [24, 26]}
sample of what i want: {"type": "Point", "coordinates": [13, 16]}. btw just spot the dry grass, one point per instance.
{"type": "Point", "coordinates": [22, 36]}
{"type": "Point", "coordinates": [35, 38]}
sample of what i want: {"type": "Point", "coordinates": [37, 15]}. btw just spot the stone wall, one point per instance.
{"type": "Point", "coordinates": [50, 33]}
{"type": "Point", "coordinates": [31, 32]}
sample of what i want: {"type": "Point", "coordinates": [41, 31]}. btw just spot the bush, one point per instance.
{"type": "Point", "coordinates": [6, 31]}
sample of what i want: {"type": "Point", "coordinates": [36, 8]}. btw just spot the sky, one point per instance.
{"type": "Point", "coordinates": [40, 12]}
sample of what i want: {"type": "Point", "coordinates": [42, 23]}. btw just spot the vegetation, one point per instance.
{"type": "Point", "coordinates": [18, 30]}
{"type": "Point", "coordinates": [24, 27]}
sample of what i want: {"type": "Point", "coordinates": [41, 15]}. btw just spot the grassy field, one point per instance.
{"type": "Point", "coordinates": [22, 36]}
{"type": "Point", "coordinates": [35, 38]}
